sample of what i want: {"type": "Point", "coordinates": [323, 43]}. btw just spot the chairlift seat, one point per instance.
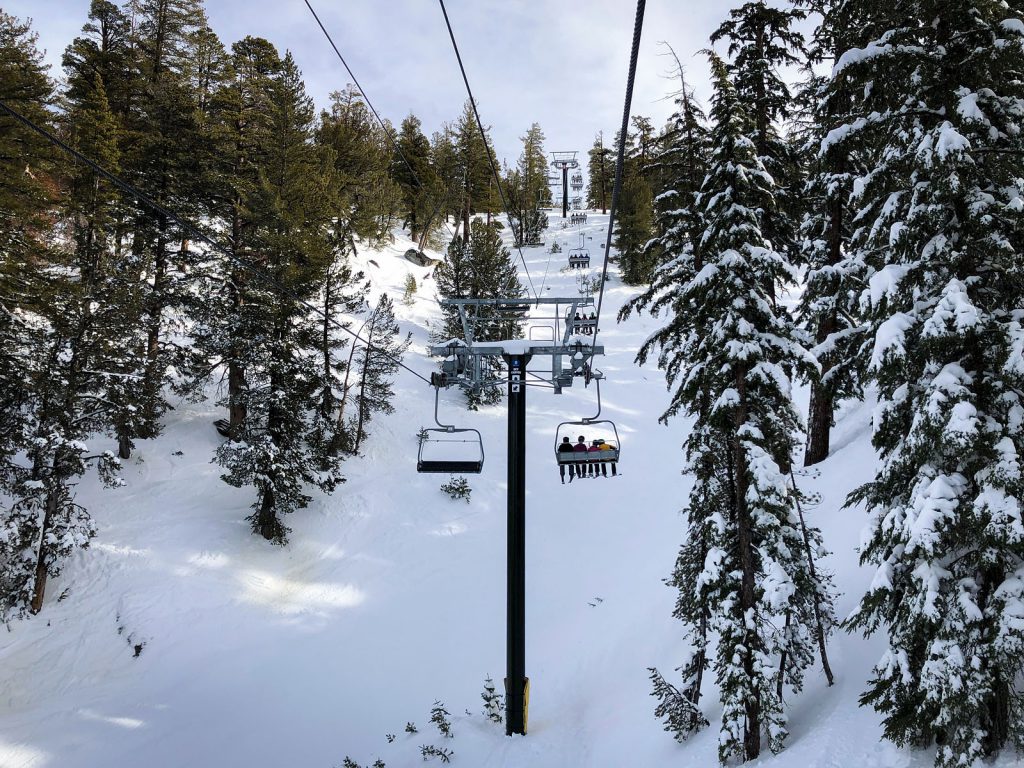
{"type": "Point", "coordinates": [450, 467]}
{"type": "Point", "coordinates": [579, 257]}
{"type": "Point", "coordinates": [450, 451]}
{"type": "Point", "coordinates": [590, 457]}
{"type": "Point", "coordinates": [589, 428]}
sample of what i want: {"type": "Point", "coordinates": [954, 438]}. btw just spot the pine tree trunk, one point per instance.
{"type": "Point", "coordinates": [337, 443]}
{"type": "Point", "coordinates": [752, 706]}
{"type": "Point", "coordinates": [783, 658]}
{"type": "Point", "coordinates": [236, 372]}
{"type": "Point", "coordinates": [39, 585]}
{"type": "Point", "coordinates": [327, 401]}
{"type": "Point", "coordinates": [995, 714]}
{"type": "Point", "coordinates": [266, 520]}
{"type": "Point", "coordinates": [819, 421]}
{"type": "Point", "coordinates": [124, 446]}
{"type": "Point", "coordinates": [822, 406]}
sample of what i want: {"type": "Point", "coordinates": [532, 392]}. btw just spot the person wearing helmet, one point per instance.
{"type": "Point", "coordinates": [604, 464]}
{"type": "Point", "coordinates": [594, 466]}
{"type": "Point", "coordinates": [581, 448]}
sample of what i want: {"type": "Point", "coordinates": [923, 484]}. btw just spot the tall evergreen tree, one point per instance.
{"type": "Point", "coordinates": [600, 174]}
{"type": "Point", "coordinates": [743, 574]}
{"type": "Point", "coordinates": [680, 164]}
{"type": "Point", "coordinates": [284, 443]}
{"type": "Point", "coordinates": [829, 309]}
{"type": "Point", "coordinates": [165, 162]}
{"type": "Point", "coordinates": [476, 179]}
{"type": "Point", "coordinates": [411, 169]}
{"type": "Point", "coordinates": [527, 189]}
{"type": "Point", "coordinates": [762, 41]}
{"type": "Point", "coordinates": [634, 217]}
{"type": "Point", "coordinates": [376, 362]}
{"type": "Point", "coordinates": [70, 361]}
{"type": "Point", "coordinates": [938, 230]}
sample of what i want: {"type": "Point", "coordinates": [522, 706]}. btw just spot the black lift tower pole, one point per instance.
{"type": "Point", "coordinates": [569, 359]}
{"type": "Point", "coordinates": [564, 161]}
{"type": "Point", "coordinates": [515, 667]}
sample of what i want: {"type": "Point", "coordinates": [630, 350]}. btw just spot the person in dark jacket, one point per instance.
{"type": "Point", "coordinates": [581, 449]}
{"type": "Point", "coordinates": [566, 447]}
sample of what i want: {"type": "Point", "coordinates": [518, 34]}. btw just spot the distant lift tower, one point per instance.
{"type": "Point", "coordinates": [564, 161]}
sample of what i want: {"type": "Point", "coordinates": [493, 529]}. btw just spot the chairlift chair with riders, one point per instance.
{"type": "Point", "coordinates": [573, 429]}
{"type": "Point", "coordinates": [579, 258]}
{"type": "Point", "coordinates": [447, 449]}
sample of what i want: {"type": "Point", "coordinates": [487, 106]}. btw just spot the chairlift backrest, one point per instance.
{"type": "Point", "coordinates": [446, 448]}
{"type": "Point", "coordinates": [450, 451]}
{"type": "Point", "coordinates": [590, 429]}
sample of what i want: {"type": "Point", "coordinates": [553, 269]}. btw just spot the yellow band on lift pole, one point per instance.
{"type": "Point", "coordinates": [526, 704]}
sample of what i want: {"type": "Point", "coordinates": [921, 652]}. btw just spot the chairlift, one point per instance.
{"type": "Point", "coordinates": [579, 258]}
{"type": "Point", "coordinates": [448, 449]}
{"type": "Point", "coordinates": [575, 429]}
{"type": "Point", "coordinates": [582, 324]}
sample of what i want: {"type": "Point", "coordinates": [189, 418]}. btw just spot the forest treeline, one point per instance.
{"type": "Point", "coordinates": [110, 311]}
{"type": "Point", "coordinates": [861, 231]}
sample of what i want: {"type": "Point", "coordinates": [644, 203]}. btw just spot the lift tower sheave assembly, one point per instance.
{"type": "Point", "coordinates": [564, 161]}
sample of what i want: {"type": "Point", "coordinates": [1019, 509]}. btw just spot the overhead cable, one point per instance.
{"type": "Point", "coordinates": [383, 125]}
{"type": "Point", "coordinates": [487, 149]}
{"type": "Point", "coordinates": [620, 159]}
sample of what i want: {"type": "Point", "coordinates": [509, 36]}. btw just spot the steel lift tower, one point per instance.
{"type": "Point", "coordinates": [564, 161]}
{"type": "Point", "coordinates": [571, 355]}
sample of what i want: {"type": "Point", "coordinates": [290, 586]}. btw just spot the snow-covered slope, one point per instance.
{"type": "Point", "coordinates": [179, 639]}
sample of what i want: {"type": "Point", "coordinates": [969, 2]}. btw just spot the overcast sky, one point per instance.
{"type": "Point", "coordinates": [559, 63]}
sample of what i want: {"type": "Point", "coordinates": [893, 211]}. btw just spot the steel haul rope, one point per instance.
{"type": "Point", "coordinates": [617, 187]}
{"type": "Point", "coordinates": [487, 148]}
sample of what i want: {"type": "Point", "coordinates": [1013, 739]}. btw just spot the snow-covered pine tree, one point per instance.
{"type": "Point", "coordinates": [445, 161]}
{"type": "Point", "coordinates": [366, 196]}
{"type": "Point", "coordinates": [376, 362]}
{"type": "Point", "coordinates": [680, 164]}
{"type": "Point", "coordinates": [728, 352]}
{"type": "Point", "coordinates": [164, 160]}
{"type": "Point", "coordinates": [343, 292]}
{"type": "Point", "coordinates": [829, 309]}
{"type": "Point", "coordinates": [938, 226]}
{"type": "Point", "coordinates": [762, 41]}
{"type": "Point", "coordinates": [284, 445]}
{"type": "Point", "coordinates": [239, 129]}
{"type": "Point", "coordinates": [26, 200]}
{"type": "Point", "coordinates": [476, 188]}
{"type": "Point", "coordinates": [527, 189]}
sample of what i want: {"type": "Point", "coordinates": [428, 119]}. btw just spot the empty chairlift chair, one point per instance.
{"type": "Point", "coordinates": [449, 450]}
